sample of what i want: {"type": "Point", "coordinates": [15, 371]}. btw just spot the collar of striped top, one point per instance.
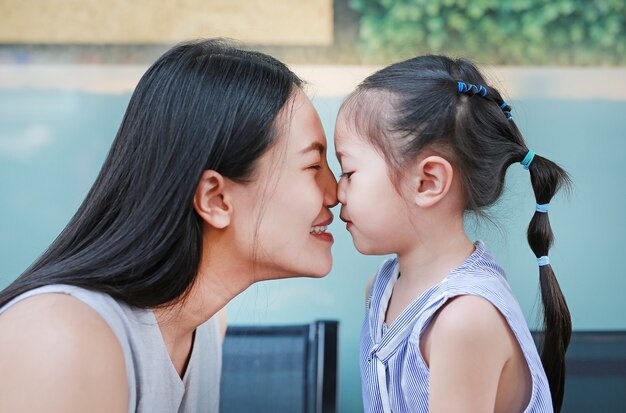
{"type": "Point", "coordinates": [402, 326]}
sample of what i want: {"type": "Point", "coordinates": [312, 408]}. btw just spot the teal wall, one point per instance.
{"type": "Point", "coordinates": [52, 144]}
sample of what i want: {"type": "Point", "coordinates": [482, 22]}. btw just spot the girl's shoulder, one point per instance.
{"type": "Point", "coordinates": [466, 331]}
{"type": "Point", "coordinates": [467, 318]}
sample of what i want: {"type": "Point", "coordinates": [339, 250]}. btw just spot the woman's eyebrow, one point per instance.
{"type": "Point", "coordinates": [315, 146]}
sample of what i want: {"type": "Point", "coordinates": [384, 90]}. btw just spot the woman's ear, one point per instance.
{"type": "Point", "coordinates": [434, 178]}
{"type": "Point", "coordinates": [211, 200]}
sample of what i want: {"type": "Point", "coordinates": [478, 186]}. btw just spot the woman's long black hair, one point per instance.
{"type": "Point", "coordinates": [418, 104]}
{"type": "Point", "coordinates": [202, 105]}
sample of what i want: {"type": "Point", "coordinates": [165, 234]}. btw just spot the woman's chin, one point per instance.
{"type": "Point", "coordinates": [321, 269]}
{"type": "Point", "coordinates": [317, 263]}
{"type": "Point", "coordinates": [315, 269]}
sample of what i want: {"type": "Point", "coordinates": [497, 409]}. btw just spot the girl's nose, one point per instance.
{"type": "Point", "coordinates": [341, 194]}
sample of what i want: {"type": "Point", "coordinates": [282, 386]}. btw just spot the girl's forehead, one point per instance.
{"type": "Point", "coordinates": [344, 136]}
{"type": "Point", "coordinates": [349, 145]}
{"type": "Point", "coordinates": [348, 132]}
{"type": "Point", "coordinates": [362, 114]}
{"type": "Point", "coordinates": [347, 122]}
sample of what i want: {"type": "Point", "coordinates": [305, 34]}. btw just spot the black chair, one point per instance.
{"type": "Point", "coordinates": [280, 369]}
{"type": "Point", "coordinates": [595, 378]}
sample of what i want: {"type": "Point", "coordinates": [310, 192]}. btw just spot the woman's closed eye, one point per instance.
{"type": "Point", "coordinates": [346, 175]}
{"type": "Point", "coordinates": [315, 167]}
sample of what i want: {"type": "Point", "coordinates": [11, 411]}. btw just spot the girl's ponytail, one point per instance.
{"type": "Point", "coordinates": [547, 178]}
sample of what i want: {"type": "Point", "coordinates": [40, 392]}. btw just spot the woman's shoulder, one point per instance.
{"type": "Point", "coordinates": [62, 346]}
{"type": "Point", "coordinates": [63, 319]}
{"type": "Point", "coordinates": [91, 297]}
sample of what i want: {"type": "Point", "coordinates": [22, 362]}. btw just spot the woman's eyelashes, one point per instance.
{"type": "Point", "coordinates": [346, 175]}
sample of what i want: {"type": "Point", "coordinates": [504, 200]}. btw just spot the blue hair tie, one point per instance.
{"type": "Point", "coordinates": [463, 87]}
{"type": "Point", "coordinates": [542, 207]}
{"type": "Point", "coordinates": [481, 90]}
{"type": "Point", "coordinates": [507, 113]}
{"type": "Point", "coordinates": [528, 159]}
{"type": "Point", "coordinates": [543, 261]}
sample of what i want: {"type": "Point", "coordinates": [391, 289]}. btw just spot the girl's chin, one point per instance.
{"type": "Point", "coordinates": [367, 249]}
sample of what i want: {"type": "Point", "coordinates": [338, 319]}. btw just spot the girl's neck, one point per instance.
{"type": "Point", "coordinates": [426, 264]}
{"type": "Point", "coordinates": [429, 261]}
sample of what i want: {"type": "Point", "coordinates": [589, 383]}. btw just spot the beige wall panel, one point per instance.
{"type": "Point", "coordinates": [284, 22]}
{"type": "Point", "coordinates": [323, 81]}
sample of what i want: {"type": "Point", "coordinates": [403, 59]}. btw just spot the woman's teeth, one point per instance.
{"type": "Point", "coordinates": [318, 230]}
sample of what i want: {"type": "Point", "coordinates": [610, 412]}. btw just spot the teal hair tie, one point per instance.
{"type": "Point", "coordinates": [528, 159]}
{"type": "Point", "coordinates": [541, 208]}
{"type": "Point", "coordinates": [543, 261]}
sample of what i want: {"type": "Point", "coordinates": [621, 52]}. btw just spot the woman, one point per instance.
{"type": "Point", "coordinates": [217, 179]}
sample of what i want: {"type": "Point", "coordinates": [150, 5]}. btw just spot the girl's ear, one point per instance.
{"type": "Point", "coordinates": [433, 179]}
{"type": "Point", "coordinates": [212, 201]}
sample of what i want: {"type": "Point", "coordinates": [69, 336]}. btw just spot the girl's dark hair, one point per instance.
{"type": "Point", "coordinates": [202, 105]}
{"type": "Point", "coordinates": [416, 105]}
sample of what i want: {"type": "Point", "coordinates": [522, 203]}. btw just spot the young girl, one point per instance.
{"type": "Point", "coordinates": [421, 143]}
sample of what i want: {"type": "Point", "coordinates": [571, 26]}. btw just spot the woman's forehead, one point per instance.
{"type": "Point", "coordinates": [304, 125]}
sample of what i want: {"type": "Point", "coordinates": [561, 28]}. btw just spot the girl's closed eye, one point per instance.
{"type": "Point", "coordinates": [315, 167]}
{"type": "Point", "coordinates": [347, 175]}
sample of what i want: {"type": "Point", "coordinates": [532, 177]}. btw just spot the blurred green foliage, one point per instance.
{"type": "Point", "coordinates": [520, 32]}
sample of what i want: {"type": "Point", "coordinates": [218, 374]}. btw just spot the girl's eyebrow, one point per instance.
{"type": "Point", "coordinates": [340, 155]}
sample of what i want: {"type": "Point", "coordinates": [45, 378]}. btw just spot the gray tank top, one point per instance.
{"type": "Point", "coordinates": [154, 384]}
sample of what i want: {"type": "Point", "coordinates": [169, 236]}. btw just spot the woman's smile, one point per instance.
{"type": "Point", "coordinates": [319, 231]}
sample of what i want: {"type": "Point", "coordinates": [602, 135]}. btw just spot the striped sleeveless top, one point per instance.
{"type": "Point", "coordinates": [153, 382]}
{"type": "Point", "coordinates": [394, 376]}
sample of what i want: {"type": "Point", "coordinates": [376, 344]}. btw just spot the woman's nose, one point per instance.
{"type": "Point", "coordinates": [329, 187]}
